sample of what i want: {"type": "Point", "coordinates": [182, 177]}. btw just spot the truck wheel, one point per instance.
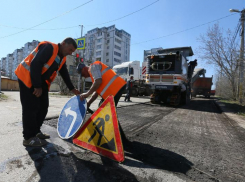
{"type": "Point", "coordinates": [134, 92]}
{"type": "Point", "coordinates": [154, 99]}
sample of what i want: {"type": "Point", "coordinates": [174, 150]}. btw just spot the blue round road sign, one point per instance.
{"type": "Point", "coordinates": [71, 117]}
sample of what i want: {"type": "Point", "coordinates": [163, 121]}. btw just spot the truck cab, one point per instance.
{"type": "Point", "coordinates": [132, 68]}
{"type": "Point", "coordinates": [127, 69]}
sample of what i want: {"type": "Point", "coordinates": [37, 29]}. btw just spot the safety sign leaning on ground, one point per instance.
{"type": "Point", "coordinates": [71, 117]}
{"type": "Point", "coordinates": [100, 133]}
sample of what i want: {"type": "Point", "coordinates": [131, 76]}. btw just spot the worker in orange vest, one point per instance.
{"type": "Point", "coordinates": [105, 82]}
{"type": "Point", "coordinates": [35, 74]}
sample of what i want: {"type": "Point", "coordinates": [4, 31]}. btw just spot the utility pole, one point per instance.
{"type": "Point", "coordinates": [241, 57]}
{"type": "Point", "coordinates": [241, 93]}
{"type": "Point", "coordinates": [79, 75]}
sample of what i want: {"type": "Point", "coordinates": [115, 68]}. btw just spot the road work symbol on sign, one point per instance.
{"type": "Point", "coordinates": [100, 133]}
{"type": "Point", "coordinates": [71, 117]}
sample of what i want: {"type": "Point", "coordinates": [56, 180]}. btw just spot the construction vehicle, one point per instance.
{"type": "Point", "coordinates": [202, 86]}
{"type": "Point", "coordinates": [132, 68]}
{"type": "Point", "coordinates": [169, 74]}
{"type": "Point", "coordinates": [212, 92]}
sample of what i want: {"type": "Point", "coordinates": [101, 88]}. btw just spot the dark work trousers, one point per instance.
{"type": "Point", "coordinates": [127, 97]}
{"type": "Point", "coordinates": [34, 109]}
{"type": "Point", "coordinates": [116, 99]}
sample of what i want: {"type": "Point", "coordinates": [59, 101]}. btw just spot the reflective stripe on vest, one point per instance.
{"type": "Point", "coordinates": [108, 84]}
{"type": "Point", "coordinates": [111, 82]}
{"type": "Point", "coordinates": [23, 69]}
{"type": "Point", "coordinates": [26, 66]}
{"type": "Point", "coordinates": [105, 70]}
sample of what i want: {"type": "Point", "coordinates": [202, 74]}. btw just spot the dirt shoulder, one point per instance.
{"type": "Point", "coordinates": [232, 110]}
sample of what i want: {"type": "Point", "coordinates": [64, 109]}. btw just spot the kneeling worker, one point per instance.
{"type": "Point", "coordinates": [105, 82]}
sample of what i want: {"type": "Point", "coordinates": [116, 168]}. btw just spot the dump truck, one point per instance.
{"type": "Point", "coordinates": [133, 68]}
{"type": "Point", "coordinates": [169, 75]}
{"type": "Point", "coordinates": [212, 92]}
{"type": "Point", "coordinates": [202, 86]}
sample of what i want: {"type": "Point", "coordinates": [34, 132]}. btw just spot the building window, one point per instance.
{"type": "Point", "coordinates": [98, 53]}
{"type": "Point", "coordinates": [108, 41]}
{"type": "Point", "coordinates": [107, 54]}
{"type": "Point", "coordinates": [107, 60]}
{"type": "Point", "coordinates": [118, 41]}
{"type": "Point", "coordinates": [100, 33]}
{"type": "Point", "coordinates": [99, 40]}
{"type": "Point", "coordinates": [108, 35]}
{"type": "Point", "coordinates": [117, 54]}
{"type": "Point", "coordinates": [98, 46]}
{"type": "Point", "coordinates": [108, 47]}
{"type": "Point", "coordinates": [117, 60]}
{"type": "Point", "coordinates": [117, 47]}
{"type": "Point", "coordinates": [91, 39]}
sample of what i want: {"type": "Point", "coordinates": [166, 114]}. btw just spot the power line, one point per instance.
{"type": "Point", "coordinates": [182, 30]}
{"type": "Point", "coordinates": [125, 15]}
{"type": "Point", "coordinates": [40, 28]}
{"type": "Point", "coordinates": [88, 25]}
{"type": "Point", "coordinates": [48, 20]}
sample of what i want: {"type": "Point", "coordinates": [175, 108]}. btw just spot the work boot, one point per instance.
{"type": "Point", "coordinates": [34, 142]}
{"type": "Point", "coordinates": [43, 136]}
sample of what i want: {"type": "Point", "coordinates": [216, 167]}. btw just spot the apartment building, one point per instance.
{"type": "Point", "coordinates": [17, 58]}
{"type": "Point", "coordinates": [108, 45]}
{"type": "Point", "coordinates": [3, 65]}
{"type": "Point", "coordinates": [9, 65]}
{"type": "Point", "coordinates": [11, 61]}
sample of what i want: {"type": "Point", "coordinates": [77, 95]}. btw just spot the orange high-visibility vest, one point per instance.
{"type": "Point", "coordinates": [23, 69]}
{"type": "Point", "coordinates": [111, 82]}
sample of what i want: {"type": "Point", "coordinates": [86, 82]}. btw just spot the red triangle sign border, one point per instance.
{"type": "Point", "coordinates": [119, 156]}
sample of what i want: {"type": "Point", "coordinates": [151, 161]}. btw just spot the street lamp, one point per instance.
{"type": "Point", "coordinates": [241, 67]}
{"type": "Point", "coordinates": [234, 10]}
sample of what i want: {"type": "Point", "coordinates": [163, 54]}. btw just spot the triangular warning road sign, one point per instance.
{"type": "Point", "coordinates": [100, 133]}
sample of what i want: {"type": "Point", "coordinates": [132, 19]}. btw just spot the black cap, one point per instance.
{"type": "Point", "coordinates": [80, 66]}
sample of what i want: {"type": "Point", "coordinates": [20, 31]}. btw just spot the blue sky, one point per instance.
{"type": "Point", "coordinates": [51, 20]}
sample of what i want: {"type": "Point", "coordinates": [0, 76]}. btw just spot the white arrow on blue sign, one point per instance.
{"type": "Point", "coordinates": [71, 117]}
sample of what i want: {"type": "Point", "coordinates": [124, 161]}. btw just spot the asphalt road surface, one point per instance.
{"type": "Point", "coordinates": [189, 143]}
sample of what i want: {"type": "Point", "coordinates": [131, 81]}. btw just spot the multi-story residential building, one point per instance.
{"type": "Point", "coordinates": [29, 47]}
{"type": "Point", "coordinates": [17, 58]}
{"type": "Point", "coordinates": [3, 65]}
{"type": "Point", "coordinates": [9, 65]}
{"type": "Point", "coordinates": [108, 45]}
